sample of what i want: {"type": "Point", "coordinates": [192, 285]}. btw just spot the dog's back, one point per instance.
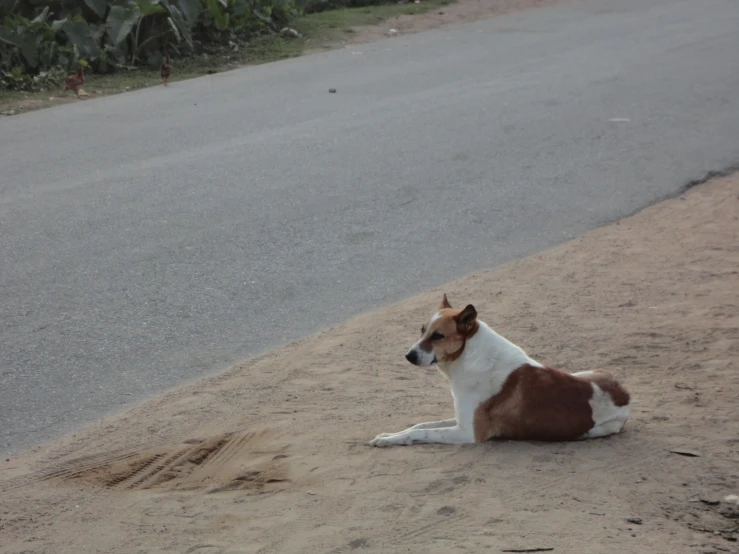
{"type": "Point", "coordinates": [541, 403]}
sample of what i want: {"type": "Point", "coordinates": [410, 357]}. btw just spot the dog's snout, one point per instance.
{"type": "Point", "coordinates": [412, 357]}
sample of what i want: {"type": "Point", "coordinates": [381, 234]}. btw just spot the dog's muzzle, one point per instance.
{"type": "Point", "coordinates": [420, 357]}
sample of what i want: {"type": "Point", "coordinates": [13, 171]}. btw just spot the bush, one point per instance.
{"type": "Point", "coordinates": [37, 36]}
{"type": "Point", "coordinates": [15, 79]}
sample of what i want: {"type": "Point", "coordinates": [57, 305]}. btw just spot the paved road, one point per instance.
{"type": "Point", "coordinates": [154, 237]}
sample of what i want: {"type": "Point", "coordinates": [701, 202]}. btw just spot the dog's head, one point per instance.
{"type": "Point", "coordinates": [444, 335]}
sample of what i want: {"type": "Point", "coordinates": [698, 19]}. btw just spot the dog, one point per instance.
{"type": "Point", "coordinates": [500, 392]}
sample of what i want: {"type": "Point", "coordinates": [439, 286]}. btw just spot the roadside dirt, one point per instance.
{"type": "Point", "coordinates": [272, 456]}
{"type": "Point", "coordinates": [461, 11]}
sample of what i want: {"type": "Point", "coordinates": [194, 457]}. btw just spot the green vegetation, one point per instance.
{"type": "Point", "coordinates": [39, 37]}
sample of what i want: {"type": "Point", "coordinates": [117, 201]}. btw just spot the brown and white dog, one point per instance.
{"type": "Point", "coordinates": [501, 393]}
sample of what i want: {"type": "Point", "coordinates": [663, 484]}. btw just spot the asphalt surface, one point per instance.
{"type": "Point", "coordinates": [161, 235]}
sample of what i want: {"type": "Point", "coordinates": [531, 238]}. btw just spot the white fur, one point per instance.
{"type": "Point", "coordinates": [435, 317]}
{"type": "Point", "coordinates": [608, 417]}
{"type": "Point", "coordinates": [479, 374]}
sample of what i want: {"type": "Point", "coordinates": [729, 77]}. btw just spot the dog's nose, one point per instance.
{"type": "Point", "coordinates": [412, 357]}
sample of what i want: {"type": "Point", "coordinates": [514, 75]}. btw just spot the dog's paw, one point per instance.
{"type": "Point", "coordinates": [382, 440]}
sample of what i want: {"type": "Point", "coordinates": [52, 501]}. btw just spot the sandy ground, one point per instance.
{"type": "Point", "coordinates": [461, 11]}
{"type": "Point", "coordinates": [272, 456]}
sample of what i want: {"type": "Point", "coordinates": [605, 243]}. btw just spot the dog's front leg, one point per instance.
{"type": "Point", "coordinates": [444, 435]}
{"type": "Point", "coordinates": [428, 425]}
{"type": "Point", "coordinates": [435, 424]}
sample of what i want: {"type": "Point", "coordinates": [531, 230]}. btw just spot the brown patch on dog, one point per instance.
{"type": "Point", "coordinates": [456, 326]}
{"type": "Point", "coordinates": [536, 404]}
{"type": "Point", "coordinates": [608, 384]}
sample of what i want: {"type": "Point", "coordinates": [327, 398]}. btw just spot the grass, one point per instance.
{"type": "Point", "coordinates": [333, 24]}
{"type": "Point", "coordinates": [321, 30]}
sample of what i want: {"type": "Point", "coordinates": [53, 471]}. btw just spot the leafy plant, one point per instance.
{"type": "Point", "coordinates": [217, 10]}
{"type": "Point", "coordinates": [17, 79]}
{"type": "Point", "coordinates": [40, 35]}
{"type": "Point", "coordinates": [31, 45]}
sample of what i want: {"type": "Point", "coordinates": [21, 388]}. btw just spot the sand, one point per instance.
{"type": "Point", "coordinates": [272, 456]}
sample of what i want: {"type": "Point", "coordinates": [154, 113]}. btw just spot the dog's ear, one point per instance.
{"type": "Point", "coordinates": [444, 303]}
{"type": "Point", "coordinates": [467, 321]}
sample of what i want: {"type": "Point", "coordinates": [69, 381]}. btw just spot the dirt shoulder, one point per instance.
{"type": "Point", "coordinates": [460, 11]}
{"type": "Point", "coordinates": [272, 456]}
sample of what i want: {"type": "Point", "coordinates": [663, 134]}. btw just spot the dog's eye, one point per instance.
{"type": "Point", "coordinates": [437, 336]}
{"type": "Point", "coordinates": [423, 330]}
